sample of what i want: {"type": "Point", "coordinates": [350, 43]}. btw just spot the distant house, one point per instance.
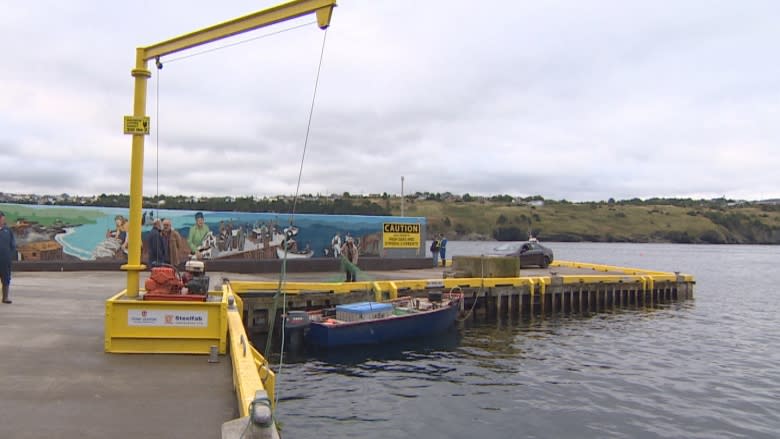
{"type": "Point", "coordinates": [536, 203]}
{"type": "Point", "coordinates": [41, 251]}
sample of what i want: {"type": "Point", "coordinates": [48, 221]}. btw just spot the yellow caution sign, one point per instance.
{"type": "Point", "coordinates": [401, 235]}
{"type": "Point", "coordinates": [137, 125]}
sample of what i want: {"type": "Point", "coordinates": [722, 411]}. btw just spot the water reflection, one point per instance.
{"type": "Point", "coordinates": [401, 350]}
{"type": "Point", "coordinates": [436, 346]}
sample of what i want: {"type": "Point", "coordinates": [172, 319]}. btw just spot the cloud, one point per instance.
{"type": "Point", "coordinates": [582, 101]}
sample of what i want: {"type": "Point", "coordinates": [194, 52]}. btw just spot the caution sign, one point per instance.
{"type": "Point", "coordinates": [136, 125]}
{"type": "Point", "coordinates": [401, 235]}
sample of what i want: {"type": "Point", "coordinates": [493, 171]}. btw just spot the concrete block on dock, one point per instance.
{"type": "Point", "coordinates": [486, 266]}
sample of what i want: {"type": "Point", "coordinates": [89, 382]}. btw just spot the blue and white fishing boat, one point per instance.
{"type": "Point", "coordinates": [380, 322]}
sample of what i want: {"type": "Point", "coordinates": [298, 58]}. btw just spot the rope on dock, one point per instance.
{"type": "Point", "coordinates": [473, 305]}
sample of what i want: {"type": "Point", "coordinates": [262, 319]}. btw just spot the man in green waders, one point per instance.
{"type": "Point", "coordinates": [349, 259]}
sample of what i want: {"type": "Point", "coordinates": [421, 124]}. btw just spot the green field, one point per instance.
{"type": "Point", "coordinates": [56, 216]}
{"type": "Point", "coordinates": [704, 222]}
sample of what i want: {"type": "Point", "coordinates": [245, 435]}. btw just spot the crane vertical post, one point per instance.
{"type": "Point", "coordinates": [141, 74]}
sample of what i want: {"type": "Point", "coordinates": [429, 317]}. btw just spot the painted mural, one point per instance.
{"type": "Point", "coordinates": [95, 233]}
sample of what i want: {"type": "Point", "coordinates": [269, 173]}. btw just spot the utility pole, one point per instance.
{"type": "Point", "coordinates": [402, 195]}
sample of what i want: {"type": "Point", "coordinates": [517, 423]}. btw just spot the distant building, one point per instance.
{"type": "Point", "coordinates": [41, 251]}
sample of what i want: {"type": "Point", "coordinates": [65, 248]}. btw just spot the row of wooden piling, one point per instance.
{"type": "Point", "coordinates": [583, 298]}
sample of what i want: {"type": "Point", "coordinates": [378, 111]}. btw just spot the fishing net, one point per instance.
{"type": "Point", "coordinates": [345, 265]}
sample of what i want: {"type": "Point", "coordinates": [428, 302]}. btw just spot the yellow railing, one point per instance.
{"type": "Point", "coordinates": [606, 268]}
{"type": "Point", "coordinates": [251, 371]}
{"type": "Point", "coordinates": [390, 289]}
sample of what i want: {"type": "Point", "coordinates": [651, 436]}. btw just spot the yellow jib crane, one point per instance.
{"type": "Point", "coordinates": [138, 123]}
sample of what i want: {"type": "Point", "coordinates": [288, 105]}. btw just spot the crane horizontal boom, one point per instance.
{"type": "Point", "coordinates": [256, 20]}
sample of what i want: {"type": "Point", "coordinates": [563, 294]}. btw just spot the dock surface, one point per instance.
{"type": "Point", "coordinates": [56, 381]}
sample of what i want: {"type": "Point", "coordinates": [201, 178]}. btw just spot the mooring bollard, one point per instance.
{"type": "Point", "coordinates": [213, 354]}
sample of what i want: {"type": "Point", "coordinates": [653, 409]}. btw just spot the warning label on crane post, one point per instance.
{"type": "Point", "coordinates": [401, 235]}
{"type": "Point", "coordinates": [136, 125]}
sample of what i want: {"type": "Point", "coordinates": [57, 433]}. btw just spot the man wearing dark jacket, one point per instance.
{"type": "Point", "coordinates": [7, 254]}
{"type": "Point", "coordinates": [158, 252]}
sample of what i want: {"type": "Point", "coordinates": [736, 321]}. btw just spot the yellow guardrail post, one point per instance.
{"type": "Point", "coordinates": [377, 291]}
{"type": "Point", "coordinates": [393, 290]}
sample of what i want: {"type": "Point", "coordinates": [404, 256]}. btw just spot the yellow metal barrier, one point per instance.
{"type": "Point", "coordinates": [606, 268]}
{"type": "Point", "coordinates": [267, 376]}
{"type": "Point", "coordinates": [240, 287]}
{"type": "Point", "coordinates": [596, 278]}
{"type": "Point", "coordinates": [164, 327]}
{"type": "Point", "coordinates": [250, 369]}
{"type": "Point", "coordinates": [465, 282]}
{"type": "Point", "coordinates": [504, 282]}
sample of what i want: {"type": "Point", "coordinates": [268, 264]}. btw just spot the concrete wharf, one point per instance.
{"type": "Point", "coordinates": [564, 287]}
{"type": "Point", "coordinates": [57, 382]}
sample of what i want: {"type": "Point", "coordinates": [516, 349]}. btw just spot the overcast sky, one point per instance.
{"type": "Point", "coordinates": [577, 99]}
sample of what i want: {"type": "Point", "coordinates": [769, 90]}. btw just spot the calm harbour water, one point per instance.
{"type": "Point", "coordinates": [705, 368]}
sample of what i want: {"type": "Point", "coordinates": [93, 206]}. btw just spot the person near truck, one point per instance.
{"type": "Point", "coordinates": [443, 249]}
{"type": "Point", "coordinates": [435, 250]}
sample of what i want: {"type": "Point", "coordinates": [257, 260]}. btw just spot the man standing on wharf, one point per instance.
{"type": "Point", "coordinates": [7, 254]}
{"type": "Point", "coordinates": [158, 251]}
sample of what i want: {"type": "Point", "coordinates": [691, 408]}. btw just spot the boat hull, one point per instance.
{"type": "Point", "coordinates": [383, 330]}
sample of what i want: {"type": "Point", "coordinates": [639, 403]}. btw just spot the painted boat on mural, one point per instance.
{"type": "Point", "coordinates": [260, 243]}
{"type": "Point", "coordinates": [294, 254]}
{"type": "Point", "coordinates": [380, 322]}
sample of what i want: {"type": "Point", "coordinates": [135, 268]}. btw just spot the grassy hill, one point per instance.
{"type": "Point", "coordinates": [633, 221]}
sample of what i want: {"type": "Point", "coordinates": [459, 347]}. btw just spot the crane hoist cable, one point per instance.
{"type": "Point", "coordinates": [247, 40]}
{"type": "Point", "coordinates": [157, 134]}
{"type": "Point", "coordinates": [281, 292]}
